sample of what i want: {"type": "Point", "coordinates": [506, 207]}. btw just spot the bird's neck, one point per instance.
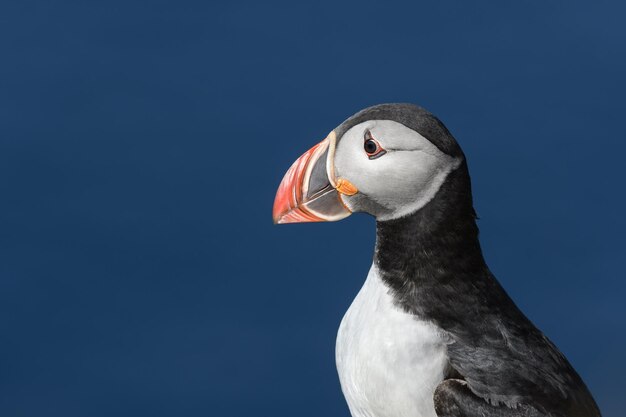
{"type": "Point", "coordinates": [437, 245]}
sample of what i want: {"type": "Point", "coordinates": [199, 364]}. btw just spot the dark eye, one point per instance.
{"type": "Point", "coordinates": [372, 147]}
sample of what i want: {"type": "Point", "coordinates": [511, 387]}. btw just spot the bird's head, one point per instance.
{"type": "Point", "coordinates": [388, 160]}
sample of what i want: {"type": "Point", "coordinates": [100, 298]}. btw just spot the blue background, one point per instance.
{"type": "Point", "coordinates": [141, 144]}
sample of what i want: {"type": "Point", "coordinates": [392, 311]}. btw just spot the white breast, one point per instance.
{"type": "Point", "coordinates": [389, 362]}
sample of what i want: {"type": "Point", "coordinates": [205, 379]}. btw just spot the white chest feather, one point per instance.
{"type": "Point", "coordinates": [389, 362]}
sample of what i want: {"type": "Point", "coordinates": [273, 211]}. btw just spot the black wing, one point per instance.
{"type": "Point", "coordinates": [453, 398]}
{"type": "Point", "coordinates": [505, 360]}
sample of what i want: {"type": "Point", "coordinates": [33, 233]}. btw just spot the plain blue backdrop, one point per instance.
{"type": "Point", "coordinates": [141, 144]}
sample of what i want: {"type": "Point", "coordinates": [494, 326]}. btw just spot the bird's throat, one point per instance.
{"type": "Point", "coordinates": [433, 248]}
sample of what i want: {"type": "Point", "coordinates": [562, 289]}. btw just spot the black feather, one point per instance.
{"type": "Point", "coordinates": [453, 398]}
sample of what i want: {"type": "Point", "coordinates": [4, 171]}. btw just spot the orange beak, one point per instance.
{"type": "Point", "coordinates": [308, 191]}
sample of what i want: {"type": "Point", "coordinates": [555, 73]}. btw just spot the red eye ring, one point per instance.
{"type": "Point", "coordinates": [372, 147]}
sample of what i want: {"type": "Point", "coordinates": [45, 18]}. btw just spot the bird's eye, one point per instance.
{"type": "Point", "coordinates": [372, 147]}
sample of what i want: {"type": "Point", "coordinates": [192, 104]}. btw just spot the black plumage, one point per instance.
{"type": "Point", "coordinates": [433, 263]}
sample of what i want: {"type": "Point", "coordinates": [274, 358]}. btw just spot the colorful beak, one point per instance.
{"type": "Point", "coordinates": [308, 191]}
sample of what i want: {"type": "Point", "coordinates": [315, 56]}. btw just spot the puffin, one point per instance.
{"type": "Point", "coordinates": [431, 333]}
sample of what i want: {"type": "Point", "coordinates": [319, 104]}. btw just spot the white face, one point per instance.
{"type": "Point", "coordinates": [402, 179]}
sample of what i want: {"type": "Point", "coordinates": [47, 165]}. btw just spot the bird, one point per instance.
{"type": "Point", "coordinates": [431, 333]}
